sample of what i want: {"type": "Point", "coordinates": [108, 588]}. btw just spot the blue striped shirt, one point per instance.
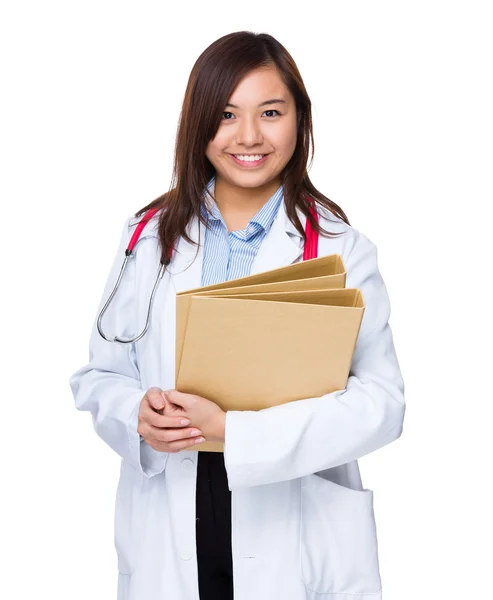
{"type": "Point", "coordinates": [229, 255]}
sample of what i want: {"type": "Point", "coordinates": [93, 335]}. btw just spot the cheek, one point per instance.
{"type": "Point", "coordinates": [220, 142]}
{"type": "Point", "coordinates": [210, 150]}
{"type": "Point", "coordinates": [287, 144]}
{"type": "Point", "coordinates": [286, 138]}
{"type": "Point", "coordinates": [213, 153]}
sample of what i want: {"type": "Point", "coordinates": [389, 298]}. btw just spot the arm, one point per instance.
{"type": "Point", "coordinates": [306, 436]}
{"type": "Point", "coordinates": [109, 385]}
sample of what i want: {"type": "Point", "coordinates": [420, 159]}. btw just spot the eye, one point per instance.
{"type": "Point", "coordinates": [270, 110]}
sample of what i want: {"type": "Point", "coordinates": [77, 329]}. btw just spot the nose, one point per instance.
{"type": "Point", "coordinates": [248, 132]}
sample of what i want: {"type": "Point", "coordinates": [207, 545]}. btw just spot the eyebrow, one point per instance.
{"type": "Point", "coordinates": [272, 101]}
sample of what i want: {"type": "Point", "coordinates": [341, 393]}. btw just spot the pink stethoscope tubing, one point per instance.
{"type": "Point", "coordinates": [310, 251]}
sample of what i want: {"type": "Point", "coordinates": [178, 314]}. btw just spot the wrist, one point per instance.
{"type": "Point", "coordinates": [220, 427]}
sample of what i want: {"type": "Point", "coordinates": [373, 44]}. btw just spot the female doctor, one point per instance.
{"type": "Point", "coordinates": [282, 513]}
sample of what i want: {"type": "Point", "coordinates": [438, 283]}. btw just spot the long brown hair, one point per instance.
{"type": "Point", "coordinates": [213, 78]}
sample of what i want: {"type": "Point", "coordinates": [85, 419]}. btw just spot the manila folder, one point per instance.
{"type": "Point", "coordinates": [256, 351]}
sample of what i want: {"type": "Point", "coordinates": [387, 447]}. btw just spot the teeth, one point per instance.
{"type": "Point", "coordinates": [249, 158]}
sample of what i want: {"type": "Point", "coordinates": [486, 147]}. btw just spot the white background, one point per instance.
{"type": "Point", "coordinates": [402, 98]}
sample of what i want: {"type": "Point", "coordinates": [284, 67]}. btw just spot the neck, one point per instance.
{"type": "Point", "coordinates": [240, 203]}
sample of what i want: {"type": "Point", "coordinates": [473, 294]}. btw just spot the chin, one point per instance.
{"type": "Point", "coordinates": [250, 181]}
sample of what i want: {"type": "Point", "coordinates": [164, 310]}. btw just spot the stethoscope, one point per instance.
{"type": "Point", "coordinates": [310, 251]}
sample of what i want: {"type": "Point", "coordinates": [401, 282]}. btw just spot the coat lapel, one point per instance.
{"type": "Point", "coordinates": [282, 246]}
{"type": "Point", "coordinates": [185, 268]}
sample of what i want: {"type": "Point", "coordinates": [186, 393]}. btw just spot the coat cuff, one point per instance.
{"type": "Point", "coordinates": [239, 440]}
{"type": "Point", "coordinates": [148, 461]}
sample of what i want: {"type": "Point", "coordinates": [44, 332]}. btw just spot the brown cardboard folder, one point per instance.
{"type": "Point", "coordinates": [248, 351]}
{"type": "Point", "coordinates": [326, 272]}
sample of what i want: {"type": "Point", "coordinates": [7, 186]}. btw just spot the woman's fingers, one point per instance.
{"type": "Point", "coordinates": [162, 432]}
{"type": "Point", "coordinates": [171, 440]}
{"type": "Point", "coordinates": [172, 434]}
{"type": "Point", "coordinates": [149, 414]}
{"type": "Point", "coordinates": [157, 420]}
{"type": "Point", "coordinates": [154, 398]}
{"type": "Point", "coordinates": [182, 444]}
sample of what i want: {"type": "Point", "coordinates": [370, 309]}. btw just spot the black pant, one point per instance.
{"type": "Point", "coordinates": [213, 528]}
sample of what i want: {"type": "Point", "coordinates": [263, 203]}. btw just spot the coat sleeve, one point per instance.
{"type": "Point", "coordinates": [109, 385]}
{"type": "Point", "coordinates": [306, 436]}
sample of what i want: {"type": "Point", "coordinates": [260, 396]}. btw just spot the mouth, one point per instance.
{"type": "Point", "coordinates": [249, 161]}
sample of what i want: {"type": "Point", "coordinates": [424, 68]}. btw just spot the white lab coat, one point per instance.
{"type": "Point", "coordinates": [303, 526]}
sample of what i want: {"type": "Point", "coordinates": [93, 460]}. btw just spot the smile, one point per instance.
{"type": "Point", "coordinates": [249, 161]}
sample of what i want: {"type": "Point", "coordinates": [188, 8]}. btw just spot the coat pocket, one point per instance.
{"type": "Point", "coordinates": [338, 540]}
{"type": "Point", "coordinates": [129, 520]}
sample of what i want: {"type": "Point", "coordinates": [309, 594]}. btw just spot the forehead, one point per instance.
{"type": "Point", "coordinates": [259, 85]}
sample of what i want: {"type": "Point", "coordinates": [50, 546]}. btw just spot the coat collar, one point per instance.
{"type": "Point", "coordinates": [281, 246]}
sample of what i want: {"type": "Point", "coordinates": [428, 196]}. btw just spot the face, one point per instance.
{"type": "Point", "coordinates": [259, 119]}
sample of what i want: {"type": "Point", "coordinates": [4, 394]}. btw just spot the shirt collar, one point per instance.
{"type": "Point", "coordinates": [264, 217]}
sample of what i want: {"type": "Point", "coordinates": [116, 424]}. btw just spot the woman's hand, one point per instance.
{"type": "Point", "coordinates": [204, 414]}
{"type": "Point", "coordinates": [165, 432]}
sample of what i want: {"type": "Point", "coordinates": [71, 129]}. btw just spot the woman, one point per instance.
{"type": "Point", "coordinates": [282, 513]}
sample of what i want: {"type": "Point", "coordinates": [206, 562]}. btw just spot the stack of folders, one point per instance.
{"type": "Point", "coordinates": [267, 339]}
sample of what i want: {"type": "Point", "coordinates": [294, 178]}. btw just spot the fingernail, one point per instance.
{"type": "Point", "coordinates": [195, 432]}
{"type": "Point", "coordinates": [185, 422]}
{"type": "Point", "coordinates": [200, 439]}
